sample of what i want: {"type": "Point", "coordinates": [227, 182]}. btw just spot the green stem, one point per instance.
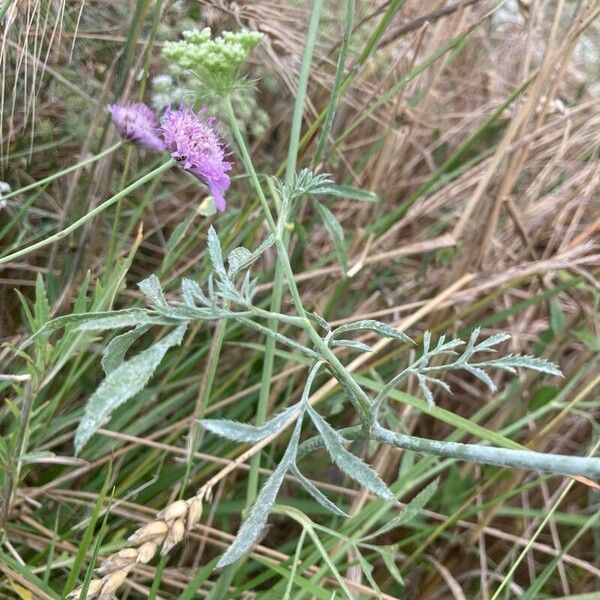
{"type": "Point", "coordinates": [87, 217]}
{"type": "Point", "coordinates": [556, 464]}
{"type": "Point", "coordinates": [358, 396]}
{"type": "Point", "coordinates": [309, 47]}
{"type": "Point", "coordinates": [203, 397]}
{"type": "Point", "coordinates": [142, 88]}
{"type": "Point", "coordinates": [370, 47]}
{"type": "Point", "coordinates": [269, 355]}
{"type": "Point", "coordinates": [115, 228]}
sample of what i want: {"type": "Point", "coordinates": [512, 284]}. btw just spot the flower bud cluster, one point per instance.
{"type": "Point", "coordinates": [217, 60]}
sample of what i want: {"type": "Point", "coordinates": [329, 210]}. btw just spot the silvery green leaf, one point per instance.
{"type": "Point", "coordinates": [237, 257]}
{"type": "Point", "coordinates": [482, 376]}
{"type": "Point", "coordinates": [248, 288]}
{"type": "Point", "coordinates": [253, 289]}
{"type": "Point", "coordinates": [123, 383]}
{"type": "Point", "coordinates": [117, 348]}
{"type": "Point", "coordinates": [279, 337]}
{"type": "Point", "coordinates": [471, 343]}
{"type": "Point", "coordinates": [152, 289]}
{"type": "Point", "coordinates": [214, 251]}
{"type": "Point", "coordinates": [113, 319]}
{"type": "Point", "coordinates": [426, 391]}
{"type": "Point", "coordinates": [352, 193]}
{"type": "Point", "coordinates": [227, 290]}
{"type": "Point", "coordinates": [211, 289]}
{"type": "Point", "coordinates": [443, 347]}
{"type": "Point", "coordinates": [251, 257]}
{"type": "Point", "coordinates": [191, 292]}
{"type": "Point", "coordinates": [409, 512]}
{"type": "Point", "coordinates": [120, 319]}
{"type": "Point", "coordinates": [493, 340]}
{"type": "Point", "coordinates": [377, 326]}
{"type": "Point", "coordinates": [337, 234]}
{"type": "Point", "coordinates": [438, 382]}
{"type": "Point", "coordinates": [312, 373]}
{"type": "Point", "coordinates": [352, 344]}
{"type": "Point", "coordinates": [320, 321]}
{"type": "Point", "coordinates": [257, 517]}
{"type": "Point", "coordinates": [308, 182]}
{"type": "Point", "coordinates": [426, 342]}
{"type": "Point", "coordinates": [183, 312]}
{"type": "Point", "coordinates": [243, 432]}
{"type": "Point", "coordinates": [323, 500]}
{"type": "Point", "coordinates": [511, 362]}
{"type": "Point", "coordinates": [346, 461]}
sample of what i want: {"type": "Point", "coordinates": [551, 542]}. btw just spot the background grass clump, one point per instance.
{"type": "Point", "coordinates": [463, 140]}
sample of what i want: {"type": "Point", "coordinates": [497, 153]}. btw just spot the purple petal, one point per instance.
{"type": "Point", "coordinates": [198, 148]}
{"type": "Point", "coordinates": [137, 123]}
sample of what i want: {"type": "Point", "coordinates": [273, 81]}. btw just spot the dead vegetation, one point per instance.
{"type": "Point", "coordinates": [477, 124]}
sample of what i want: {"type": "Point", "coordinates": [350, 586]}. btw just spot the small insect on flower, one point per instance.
{"type": "Point", "coordinates": [195, 144]}
{"type": "Point", "coordinates": [137, 123]}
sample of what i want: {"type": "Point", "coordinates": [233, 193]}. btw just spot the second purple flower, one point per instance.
{"type": "Point", "coordinates": [137, 123]}
{"type": "Point", "coordinates": [193, 141]}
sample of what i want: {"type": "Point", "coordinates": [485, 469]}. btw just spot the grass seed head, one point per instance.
{"type": "Point", "coordinates": [175, 510]}
{"type": "Point", "coordinates": [146, 552]}
{"type": "Point", "coordinates": [112, 582]}
{"type": "Point", "coordinates": [155, 531]}
{"type": "Point", "coordinates": [175, 535]}
{"type": "Point", "coordinates": [118, 560]}
{"type": "Point", "coordinates": [194, 512]}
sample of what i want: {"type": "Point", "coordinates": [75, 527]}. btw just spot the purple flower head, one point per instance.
{"type": "Point", "coordinates": [137, 123]}
{"type": "Point", "coordinates": [194, 142]}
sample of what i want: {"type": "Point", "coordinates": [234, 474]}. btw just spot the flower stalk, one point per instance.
{"type": "Point", "coordinates": [89, 216]}
{"type": "Point", "coordinates": [358, 397]}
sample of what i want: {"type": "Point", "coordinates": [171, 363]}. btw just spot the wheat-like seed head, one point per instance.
{"type": "Point", "coordinates": [165, 531]}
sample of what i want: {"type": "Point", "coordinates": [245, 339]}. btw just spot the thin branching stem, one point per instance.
{"type": "Point", "coordinates": [358, 396]}
{"type": "Point", "coordinates": [88, 216]}
{"type": "Point", "coordinates": [556, 464]}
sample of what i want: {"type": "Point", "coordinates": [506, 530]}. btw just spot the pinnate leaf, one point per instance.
{"type": "Point", "coordinates": [314, 491]}
{"type": "Point", "coordinates": [257, 517]}
{"type": "Point", "coordinates": [379, 327]}
{"type": "Point", "coordinates": [152, 289]}
{"type": "Point", "coordinates": [214, 251]}
{"type": "Point", "coordinates": [123, 383]}
{"type": "Point", "coordinates": [346, 461]}
{"type": "Point", "coordinates": [118, 346]}
{"type": "Point", "coordinates": [243, 432]}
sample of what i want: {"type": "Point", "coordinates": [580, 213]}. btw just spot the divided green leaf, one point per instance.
{"type": "Point", "coordinates": [337, 234]}
{"type": "Point", "coordinates": [123, 383]}
{"type": "Point", "coordinates": [346, 461]}
{"type": "Point", "coordinates": [379, 327]}
{"type": "Point", "coordinates": [243, 432]}
{"type": "Point", "coordinates": [257, 517]}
